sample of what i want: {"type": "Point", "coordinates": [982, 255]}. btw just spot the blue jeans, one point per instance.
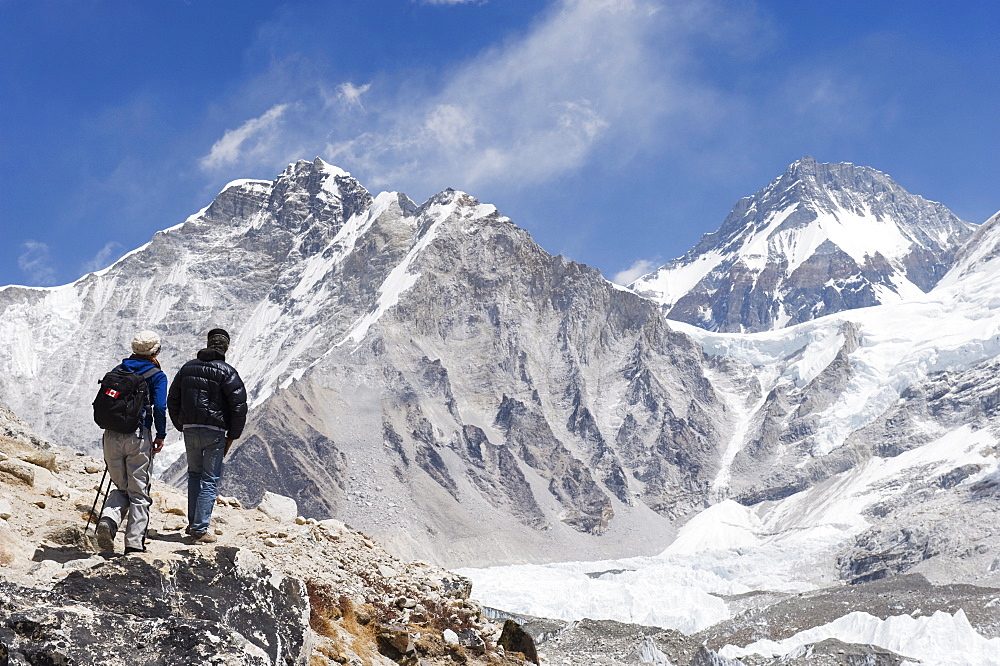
{"type": "Point", "coordinates": [205, 449]}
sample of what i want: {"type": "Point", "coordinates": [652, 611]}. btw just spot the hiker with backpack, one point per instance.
{"type": "Point", "coordinates": [131, 401]}
{"type": "Point", "coordinates": [208, 402]}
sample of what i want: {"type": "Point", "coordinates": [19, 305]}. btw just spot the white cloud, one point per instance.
{"type": "Point", "coordinates": [587, 80]}
{"type": "Point", "coordinates": [351, 94]}
{"type": "Point", "coordinates": [530, 109]}
{"type": "Point", "coordinates": [36, 264]}
{"type": "Point", "coordinates": [256, 132]}
{"type": "Point", "coordinates": [450, 127]}
{"type": "Point", "coordinates": [104, 257]}
{"type": "Point", "coordinates": [634, 272]}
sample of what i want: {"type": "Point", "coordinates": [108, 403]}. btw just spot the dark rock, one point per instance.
{"type": "Point", "coordinates": [705, 657]}
{"type": "Point", "coordinates": [515, 639]}
{"type": "Point", "coordinates": [455, 586]}
{"type": "Point", "coordinates": [221, 607]}
{"type": "Point", "coordinates": [470, 639]}
{"type": "Point", "coordinates": [43, 628]}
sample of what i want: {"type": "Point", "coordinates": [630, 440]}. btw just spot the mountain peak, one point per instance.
{"type": "Point", "coordinates": [806, 165]}
{"type": "Point", "coordinates": [333, 170]}
{"type": "Point", "coordinates": [821, 238]}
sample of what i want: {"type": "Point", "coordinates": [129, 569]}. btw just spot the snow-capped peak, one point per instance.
{"type": "Point", "coordinates": [821, 238]}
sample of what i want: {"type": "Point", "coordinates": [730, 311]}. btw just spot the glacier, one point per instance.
{"type": "Point", "coordinates": [786, 545]}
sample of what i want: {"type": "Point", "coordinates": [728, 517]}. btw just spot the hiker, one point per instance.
{"type": "Point", "coordinates": [129, 455]}
{"type": "Point", "coordinates": [208, 402]}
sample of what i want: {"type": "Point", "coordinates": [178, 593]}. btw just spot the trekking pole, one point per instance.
{"type": "Point", "coordinates": [100, 488]}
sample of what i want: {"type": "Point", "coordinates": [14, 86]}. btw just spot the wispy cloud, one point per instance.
{"type": "Point", "coordinates": [104, 257]}
{"type": "Point", "coordinates": [634, 272]}
{"type": "Point", "coordinates": [35, 263]}
{"type": "Point", "coordinates": [588, 77]}
{"type": "Point", "coordinates": [351, 94]}
{"type": "Point", "coordinates": [255, 136]}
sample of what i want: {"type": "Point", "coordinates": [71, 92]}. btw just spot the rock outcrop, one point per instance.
{"type": "Point", "coordinates": [270, 591]}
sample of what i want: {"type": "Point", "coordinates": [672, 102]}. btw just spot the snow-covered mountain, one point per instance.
{"type": "Point", "coordinates": [820, 239]}
{"type": "Point", "coordinates": [431, 376]}
{"type": "Point", "coordinates": [427, 373]}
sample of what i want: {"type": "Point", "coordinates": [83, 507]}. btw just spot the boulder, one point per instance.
{"type": "Point", "coordinates": [170, 503]}
{"type": "Point", "coordinates": [393, 641]}
{"type": "Point", "coordinates": [46, 569]}
{"type": "Point", "coordinates": [83, 563]}
{"type": "Point", "coordinates": [19, 470]}
{"type": "Point", "coordinates": [65, 533]}
{"type": "Point", "coordinates": [11, 547]}
{"type": "Point", "coordinates": [279, 507]}
{"type": "Point", "coordinates": [5, 509]}
{"type": "Point", "coordinates": [46, 459]}
{"type": "Point", "coordinates": [333, 525]}
{"type": "Point", "coordinates": [516, 639]}
{"type": "Point", "coordinates": [46, 482]}
{"type": "Point", "coordinates": [35, 476]}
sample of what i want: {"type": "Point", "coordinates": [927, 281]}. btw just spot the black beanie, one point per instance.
{"type": "Point", "coordinates": [218, 338]}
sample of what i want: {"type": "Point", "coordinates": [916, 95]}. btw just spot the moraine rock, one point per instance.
{"type": "Point", "coordinates": [281, 508]}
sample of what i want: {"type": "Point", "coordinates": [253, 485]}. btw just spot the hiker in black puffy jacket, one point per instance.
{"type": "Point", "coordinates": [207, 400]}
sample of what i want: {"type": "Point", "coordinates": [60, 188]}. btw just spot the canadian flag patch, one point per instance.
{"type": "Point", "coordinates": [113, 393]}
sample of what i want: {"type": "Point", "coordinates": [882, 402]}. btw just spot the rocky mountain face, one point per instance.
{"type": "Point", "coordinates": [498, 398]}
{"type": "Point", "coordinates": [820, 239]}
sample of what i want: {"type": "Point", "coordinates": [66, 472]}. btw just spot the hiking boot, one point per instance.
{"type": "Point", "coordinates": [204, 537]}
{"type": "Point", "coordinates": [132, 549]}
{"type": "Point", "coordinates": [105, 532]}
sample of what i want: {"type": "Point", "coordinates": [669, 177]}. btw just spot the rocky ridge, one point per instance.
{"type": "Point", "coordinates": [275, 588]}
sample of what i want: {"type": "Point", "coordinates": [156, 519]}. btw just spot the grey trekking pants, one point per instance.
{"type": "Point", "coordinates": [128, 457]}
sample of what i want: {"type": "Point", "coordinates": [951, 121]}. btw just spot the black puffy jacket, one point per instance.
{"type": "Point", "coordinates": [208, 391]}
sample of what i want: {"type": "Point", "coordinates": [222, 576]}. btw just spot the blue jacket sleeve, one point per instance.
{"type": "Point", "coordinates": [158, 396]}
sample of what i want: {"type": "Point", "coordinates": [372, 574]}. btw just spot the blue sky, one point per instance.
{"type": "Point", "coordinates": [616, 131]}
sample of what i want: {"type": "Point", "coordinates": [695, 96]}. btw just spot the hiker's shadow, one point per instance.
{"type": "Point", "coordinates": [60, 554]}
{"type": "Point", "coordinates": [174, 537]}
